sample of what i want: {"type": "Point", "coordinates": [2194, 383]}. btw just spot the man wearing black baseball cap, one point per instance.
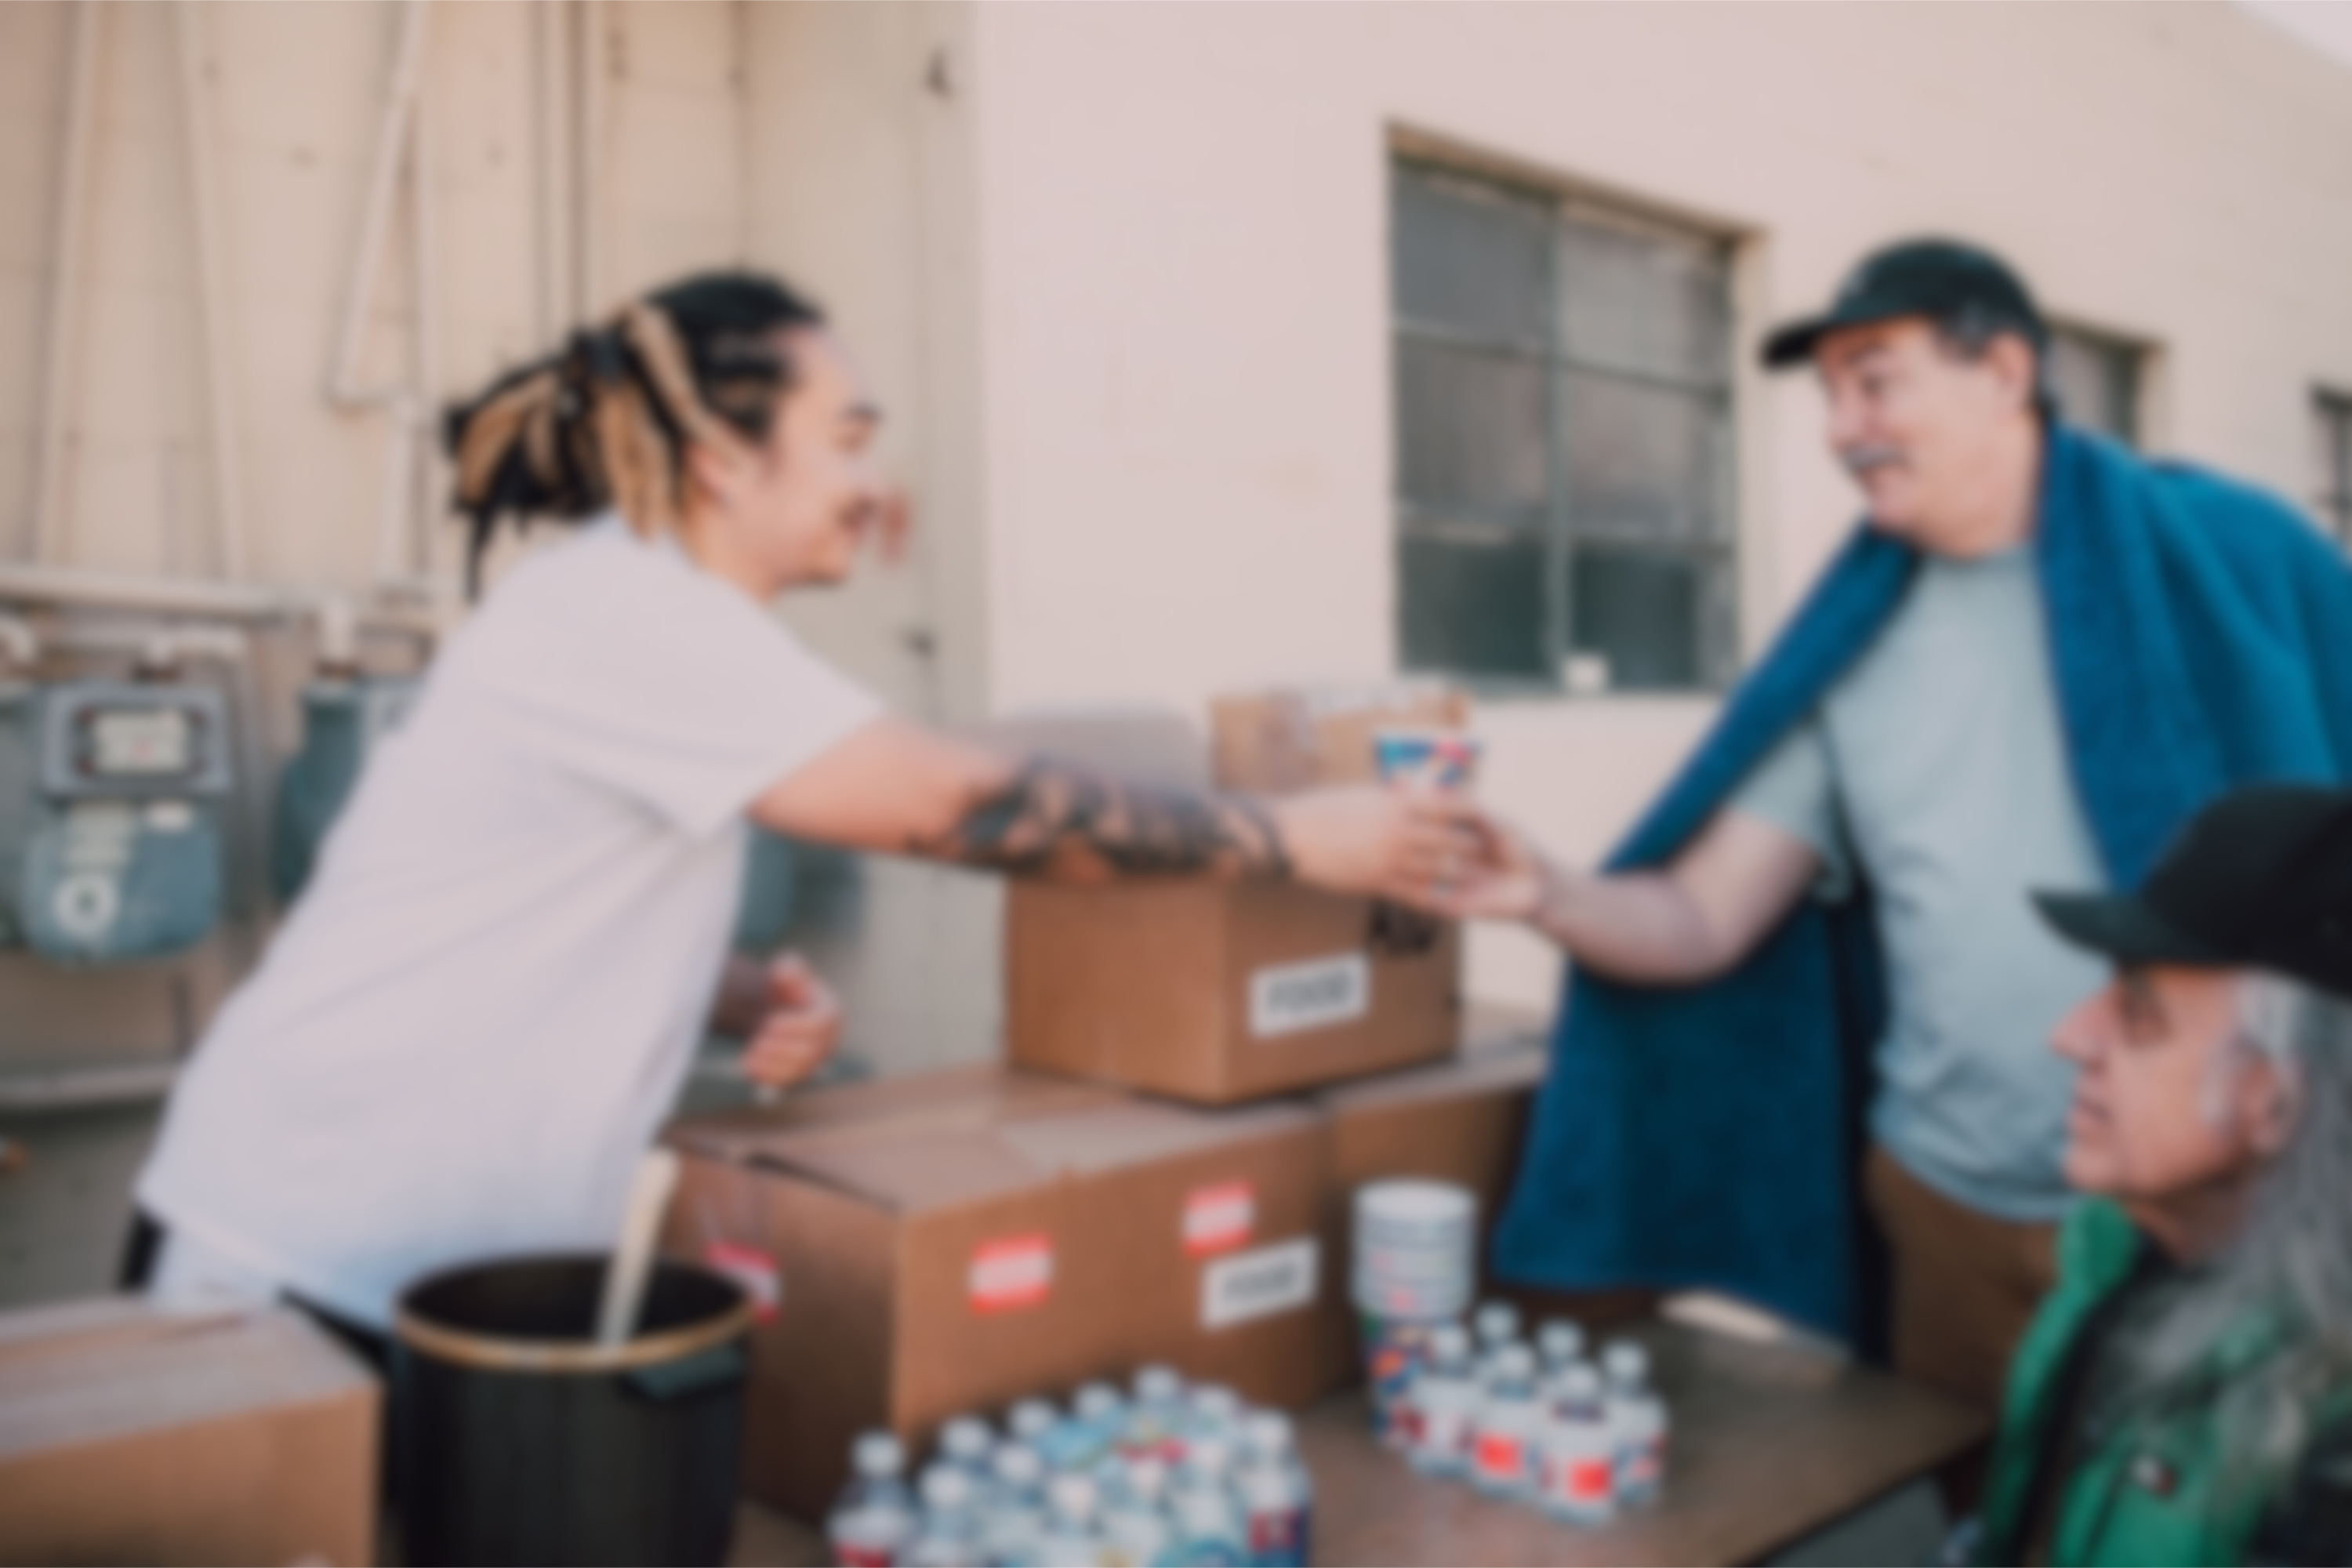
{"type": "Point", "coordinates": [2035, 658]}
{"type": "Point", "coordinates": [2182, 1396]}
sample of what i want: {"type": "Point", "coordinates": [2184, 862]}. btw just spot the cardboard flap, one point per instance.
{"type": "Point", "coordinates": [910, 1173]}
{"type": "Point", "coordinates": [1504, 1066]}
{"type": "Point", "coordinates": [1135, 1133]}
{"type": "Point", "coordinates": [113, 1375]}
{"type": "Point", "coordinates": [801, 1134]}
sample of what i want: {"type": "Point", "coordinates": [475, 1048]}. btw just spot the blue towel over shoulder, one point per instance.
{"type": "Point", "coordinates": [2201, 638]}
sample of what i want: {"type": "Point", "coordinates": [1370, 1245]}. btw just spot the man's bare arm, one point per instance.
{"type": "Point", "coordinates": [899, 789]}
{"type": "Point", "coordinates": [1690, 921]}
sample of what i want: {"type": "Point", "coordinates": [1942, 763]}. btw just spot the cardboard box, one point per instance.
{"type": "Point", "coordinates": [1300, 737]}
{"type": "Point", "coordinates": [1223, 993]}
{"type": "Point", "coordinates": [954, 1241]}
{"type": "Point", "coordinates": [132, 1434]}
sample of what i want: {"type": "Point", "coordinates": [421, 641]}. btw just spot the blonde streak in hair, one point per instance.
{"type": "Point", "coordinates": [491, 430]}
{"type": "Point", "coordinates": [616, 448]}
{"type": "Point", "coordinates": [654, 337]}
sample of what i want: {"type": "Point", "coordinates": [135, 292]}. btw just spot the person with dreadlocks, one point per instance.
{"type": "Point", "coordinates": [2185, 1394]}
{"type": "Point", "coordinates": [464, 1037]}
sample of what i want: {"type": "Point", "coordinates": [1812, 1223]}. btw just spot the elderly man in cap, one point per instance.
{"type": "Point", "coordinates": [1812, 971]}
{"type": "Point", "coordinates": [2183, 1395]}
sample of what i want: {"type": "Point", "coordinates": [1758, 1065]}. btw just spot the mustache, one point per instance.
{"type": "Point", "coordinates": [1861, 459]}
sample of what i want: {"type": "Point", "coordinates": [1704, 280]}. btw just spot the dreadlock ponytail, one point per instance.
{"type": "Point", "coordinates": [605, 421]}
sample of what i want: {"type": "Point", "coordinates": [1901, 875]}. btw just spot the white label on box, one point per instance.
{"type": "Point", "coordinates": [1218, 1218]}
{"type": "Point", "coordinates": [1289, 997]}
{"type": "Point", "coordinates": [1259, 1284]}
{"type": "Point", "coordinates": [1015, 1272]}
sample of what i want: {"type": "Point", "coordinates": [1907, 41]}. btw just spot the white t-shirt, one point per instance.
{"type": "Point", "coordinates": [467, 1030]}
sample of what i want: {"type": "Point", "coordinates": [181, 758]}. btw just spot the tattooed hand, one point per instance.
{"type": "Point", "coordinates": [1056, 820]}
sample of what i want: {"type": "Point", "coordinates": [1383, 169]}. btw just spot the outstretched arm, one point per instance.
{"type": "Point", "coordinates": [899, 789]}
{"type": "Point", "coordinates": [1689, 920]}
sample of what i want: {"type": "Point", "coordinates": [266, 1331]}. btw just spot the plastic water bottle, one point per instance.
{"type": "Point", "coordinates": [1580, 1451]}
{"type": "Point", "coordinates": [1031, 1419]}
{"type": "Point", "coordinates": [1135, 1524]}
{"type": "Point", "coordinates": [1638, 1421]}
{"type": "Point", "coordinates": [1445, 1398]}
{"type": "Point", "coordinates": [1497, 1325]}
{"type": "Point", "coordinates": [1013, 1510]}
{"type": "Point", "coordinates": [950, 1535]}
{"type": "Point", "coordinates": [875, 1520]}
{"type": "Point", "coordinates": [966, 1444]}
{"type": "Point", "coordinates": [1505, 1447]}
{"type": "Point", "coordinates": [1560, 1344]}
{"type": "Point", "coordinates": [1211, 1410]}
{"type": "Point", "coordinates": [1210, 1529]}
{"type": "Point", "coordinates": [1073, 1538]}
{"type": "Point", "coordinates": [1277, 1494]}
{"type": "Point", "coordinates": [1155, 1421]}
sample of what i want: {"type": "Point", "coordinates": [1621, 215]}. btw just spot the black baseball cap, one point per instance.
{"type": "Point", "coordinates": [1941, 279]}
{"type": "Point", "coordinates": [2261, 879]}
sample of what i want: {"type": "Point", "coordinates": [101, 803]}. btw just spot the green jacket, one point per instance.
{"type": "Point", "coordinates": [2146, 1494]}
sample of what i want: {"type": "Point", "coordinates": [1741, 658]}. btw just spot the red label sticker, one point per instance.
{"type": "Point", "coordinates": [751, 1269]}
{"type": "Point", "coordinates": [1218, 1218]}
{"type": "Point", "coordinates": [1011, 1272]}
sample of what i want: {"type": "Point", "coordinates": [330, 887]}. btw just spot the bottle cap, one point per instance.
{"type": "Point", "coordinates": [1155, 1385]}
{"type": "Point", "coordinates": [1071, 1496]}
{"type": "Point", "coordinates": [1269, 1432]}
{"type": "Point", "coordinates": [965, 1438]}
{"type": "Point", "coordinates": [1450, 1342]}
{"type": "Point", "coordinates": [1031, 1418]}
{"type": "Point", "coordinates": [1216, 1401]}
{"type": "Point", "coordinates": [1017, 1463]}
{"type": "Point", "coordinates": [1211, 1455]}
{"type": "Point", "coordinates": [877, 1454]}
{"type": "Point", "coordinates": [1515, 1364]}
{"type": "Point", "coordinates": [945, 1488]}
{"type": "Point", "coordinates": [1578, 1383]}
{"type": "Point", "coordinates": [1498, 1322]}
{"type": "Point", "coordinates": [1095, 1401]}
{"type": "Point", "coordinates": [1148, 1478]}
{"type": "Point", "coordinates": [1625, 1361]}
{"type": "Point", "coordinates": [1560, 1340]}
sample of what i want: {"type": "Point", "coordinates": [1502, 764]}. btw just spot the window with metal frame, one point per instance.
{"type": "Point", "coordinates": [1564, 474]}
{"type": "Point", "coordinates": [2097, 380]}
{"type": "Point", "coordinates": [2331, 449]}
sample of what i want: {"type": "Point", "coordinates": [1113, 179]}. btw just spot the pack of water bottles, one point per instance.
{"type": "Point", "coordinates": [1541, 1423]}
{"type": "Point", "coordinates": [1156, 1475]}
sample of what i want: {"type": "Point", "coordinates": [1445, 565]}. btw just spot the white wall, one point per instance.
{"type": "Point", "coordinates": [1186, 272]}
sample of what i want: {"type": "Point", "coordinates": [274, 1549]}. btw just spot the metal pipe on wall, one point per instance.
{"type": "Point", "coordinates": [229, 489]}
{"type": "Point", "coordinates": [65, 281]}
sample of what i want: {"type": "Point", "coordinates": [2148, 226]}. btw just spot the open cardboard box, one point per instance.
{"type": "Point", "coordinates": [1219, 994]}
{"type": "Point", "coordinates": [130, 1434]}
{"type": "Point", "coordinates": [953, 1241]}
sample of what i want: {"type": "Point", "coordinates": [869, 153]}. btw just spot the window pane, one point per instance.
{"type": "Point", "coordinates": [1469, 259]}
{"type": "Point", "coordinates": [1642, 300]}
{"type": "Point", "coordinates": [1642, 460]}
{"type": "Point", "coordinates": [2097, 382]}
{"type": "Point", "coordinates": [1470, 432]}
{"type": "Point", "coordinates": [1473, 608]}
{"type": "Point", "coordinates": [1644, 614]}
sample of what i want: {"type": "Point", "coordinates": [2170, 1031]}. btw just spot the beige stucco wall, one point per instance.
{"type": "Point", "coordinates": [1119, 274]}
{"type": "Point", "coordinates": [1186, 276]}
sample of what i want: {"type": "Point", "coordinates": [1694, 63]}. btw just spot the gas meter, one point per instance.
{"type": "Point", "coordinates": [343, 720]}
{"type": "Point", "coordinates": [120, 847]}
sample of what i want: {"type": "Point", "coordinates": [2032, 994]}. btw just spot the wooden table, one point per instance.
{"type": "Point", "coordinates": [1770, 1442]}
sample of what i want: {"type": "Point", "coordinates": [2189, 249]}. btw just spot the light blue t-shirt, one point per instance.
{"type": "Point", "coordinates": [1937, 769]}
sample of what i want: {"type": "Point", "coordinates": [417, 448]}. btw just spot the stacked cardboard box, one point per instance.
{"type": "Point", "coordinates": [129, 1434]}
{"type": "Point", "coordinates": [952, 1241]}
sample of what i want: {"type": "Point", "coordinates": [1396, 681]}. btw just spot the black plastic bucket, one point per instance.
{"type": "Point", "coordinates": [520, 1440]}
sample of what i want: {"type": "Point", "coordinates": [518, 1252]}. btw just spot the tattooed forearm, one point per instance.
{"type": "Point", "coordinates": [1054, 819]}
